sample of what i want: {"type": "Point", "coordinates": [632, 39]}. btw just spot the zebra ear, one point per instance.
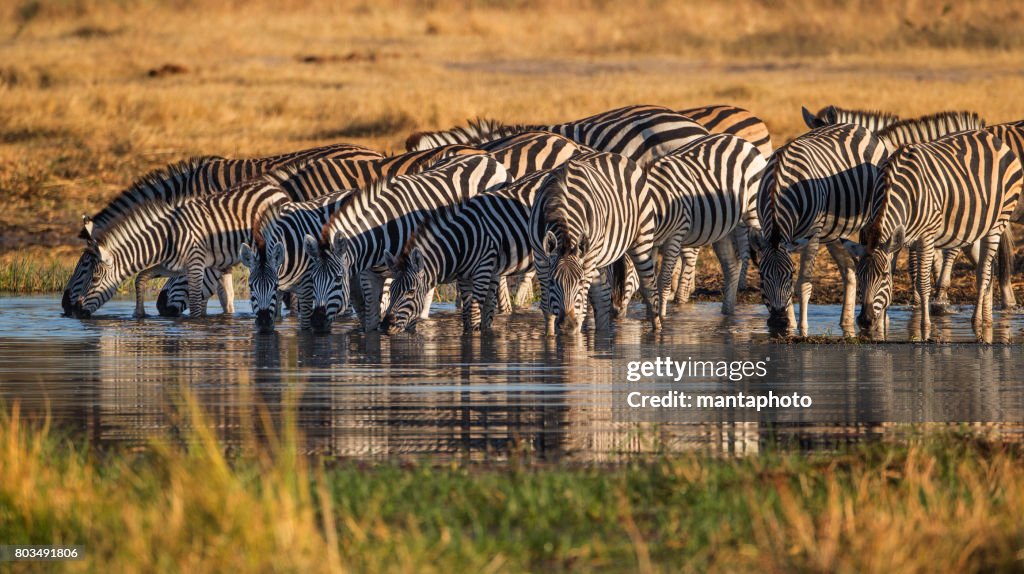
{"type": "Point", "coordinates": [550, 243]}
{"type": "Point", "coordinates": [857, 250]}
{"type": "Point", "coordinates": [831, 117]}
{"type": "Point", "coordinates": [416, 260]}
{"type": "Point", "coordinates": [87, 227]}
{"type": "Point", "coordinates": [896, 240]}
{"type": "Point", "coordinates": [311, 245]}
{"type": "Point", "coordinates": [810, 119]}
{"type": "Point", "coordinates": [391, 261]}
{"type": "Point", "coordinates": [276, 255]}
{"type": "Point", "coordinates": [584, 244]}
{"type": "Point", "coordinates": [341, 246]}
{"type": "Point", "coordinates": [247, 256]}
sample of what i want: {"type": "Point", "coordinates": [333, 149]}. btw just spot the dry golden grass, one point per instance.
{"type": "Point", "coordinates": [95, 93]}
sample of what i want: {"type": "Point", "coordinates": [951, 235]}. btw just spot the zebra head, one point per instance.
{"type": "Point", "coordinates": [571, 272]}
{"type": "Point", "coordinates": [827, 116]}
{"type": "Point", "coordinates": [107, 276]}
{"type": "Point", "coordinates": [409, 287]}
{"type": "Point", "coordinates": [264, 264]}
{"type": "Point", "coordinates": [874, 276]}
{"type": "Point", "coordinates": [81, 277]}
{"type": "Point", "coordinates": [80, 280]}
{"type": "Point", "coordinates": [775, 265]}
{"type": "Point", "coordinates": [328, 274]}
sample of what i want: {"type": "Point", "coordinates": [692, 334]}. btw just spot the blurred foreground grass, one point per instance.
{"type": "Point", "coordinates": [940, 501]}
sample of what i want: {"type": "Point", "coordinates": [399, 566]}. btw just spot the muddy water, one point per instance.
{"type": "Point", "coordinates": [119, 381]}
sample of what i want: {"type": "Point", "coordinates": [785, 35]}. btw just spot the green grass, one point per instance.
{"type": "Point", "coordinates": [942, 500]}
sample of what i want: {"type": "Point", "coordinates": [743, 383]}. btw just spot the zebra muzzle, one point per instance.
{"type": "Point", "coordinates": [778, 320]}
{"type": "Point", "coordinates": [319, 321]}
{"type": "Point", "coordinates": [265, 321]}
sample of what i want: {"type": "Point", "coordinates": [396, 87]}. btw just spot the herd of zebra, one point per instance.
{"type": "Point", "coordinates": [596, 209]}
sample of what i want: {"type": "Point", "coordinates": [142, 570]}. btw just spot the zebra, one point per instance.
{"type": "Point", "coordinates": [872, 120]}
{"type": "Point", "coordinates": [591, 212]}
{"type": "Point", "coordinates": [718, 119]}
{"type": "Point", "coordinates": [1012, 134]}
{"type": "Point", "coordinates": [189, 237]}
{"type": "Point", "coordinates": [702, 193]}
{"type": "Point", "coordinates": [173, 183]}
{"type": "Point", "coordinates": [275, 260]}
{"type": "Point", "coordinates": [640, 132]}
{"type": "Point", "coordinates": [815, 189]}
{"type": "Point", "coordinates": [474, 243]}
{"type": "Point", "coordinates": [946, 193]}
{"type": "Point", "coordinates": [520, 154]}
{"type": "Point", "coordinates": [380, 219]}
{"type": "Point", "coordinates": [921, 130]}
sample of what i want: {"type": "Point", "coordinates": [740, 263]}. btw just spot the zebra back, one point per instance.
{"type": "Point", "coordinates": [382, 217]}
{"type": "Point", "coordinates": [928, 188]}
{"type": "Point", "coordinates": [725, 119]}
{"type": "Point", "coordinates": [705, 188]}
{"type": "Point", "coordinates": [873, 120]}
{"type": "Point", "coordinates": [1012, 134]}
{"type": "Point", "coordinates": [928, 128]}
{"type": "Point", "coordinates": [480, 130]}
{"type": "Point", "coordinates": [819, 183]}
{"type": "Point", "coordinates": [530, 152]}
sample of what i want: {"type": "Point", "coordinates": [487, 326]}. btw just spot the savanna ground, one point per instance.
{"type": "Point", "coordinates": [93, 94]}
{"type": "Point", "coordinates": [96, 93]}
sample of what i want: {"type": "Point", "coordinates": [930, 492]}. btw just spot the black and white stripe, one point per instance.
{"type": "Point", "coordinates": [591, 212]}
{"type": "Point", "coordinates": [641, 133]}
{"type": "Point", "coordinates": [380, 220]}
{"type": "Point", "coordinates": [815, 190]}
{"type": "Point", "coordinates": [199, 233]}
{"type": "Point", "coordinates": [477, 242]}
{"type": "Point", "coordinates": [943, 194]}
{"type": "Point", "coordinates": [175, 183]}
{"type": "Point", "coordinates": [872, 120]}
{"type": "Point", "coordinates": [702, 193]}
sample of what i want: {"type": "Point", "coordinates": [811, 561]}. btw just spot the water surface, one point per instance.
{"type": "Point", "coordinates": [118, 381]}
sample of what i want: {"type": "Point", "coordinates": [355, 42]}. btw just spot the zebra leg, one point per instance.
{"type": "Point", "coordinates": [687, 275]}
{"type": "Point", "coordinates": [912, 265]}
{"type": "Point", "coordinates": [848, 271]}
{"type": "Point", "coordinates": [428, 300]}
{"type": "Point", "coordinates": [226, 292]}
{"type": "Point", "coordinates": [600, 296]}
{"type": "Point", "coordinates": [524, 293]}
{"type": "Point", "coordinates": [486, 290]}
{"type": "Point", "coordinates": [804, 279]}
{"type": "Point", "coordinates": [196, 299]}
{"type": "Point", "coordinates": [544, 280]}
{"type": "Point", "coordinates": [504, 297]}
{"type": "Point", "coordinates": [741, 243]}
{"type": "Point", "coordinates": [140, 287]}
{"type": "Point", "coordinates": [983, 276]}
{"type": "Point", "coordinates": [669, 258]}
{"type": "Point", "coordinates": [630, 283]}
{"type": "Point", "coordinates": [641, 254]}
{"type": "Point", "coordinates": [470, 310]}
{"type": "Point", "coordinates": [730, 270]}
{"type": "Point", "coordinates": [945, 275]}
{"type": "Point", "coordinates": [1005, 258]}
{"type": "Point", "coordinates": [372, 285]}
{"type": "Point", "coordinates": [925, 258]}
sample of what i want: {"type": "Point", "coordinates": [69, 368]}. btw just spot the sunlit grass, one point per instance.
{"type": "Point", "coordinates": [939, 498]}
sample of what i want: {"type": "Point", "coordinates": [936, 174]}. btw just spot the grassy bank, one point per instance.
{"type": "Point", "coordinates": [98, 92]}
{"type": "Point", "coordinates": [945, 501]}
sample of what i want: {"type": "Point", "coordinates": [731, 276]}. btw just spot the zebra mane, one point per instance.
{"type": "Point", "coordinates": [934, 125]}
{"type": "Point", "coordinates": [476, 131]}
{"type": "Point", "coordinates": [165, 184]}
{"type": "Point", "coordinates": [262, 220]}
{"type": "Point", "coordinates": [556, 207]}
{"type": "Point", "coordinates": [849, 114]}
